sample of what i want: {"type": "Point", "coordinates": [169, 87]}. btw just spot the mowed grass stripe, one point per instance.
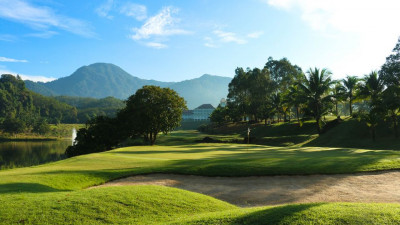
{"type": "Point", "coordinates": [198, 159]}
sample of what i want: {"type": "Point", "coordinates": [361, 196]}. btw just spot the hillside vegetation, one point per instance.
{"type": "Point", "coordinates": [101, 80]}
{"type": "Point", "coordinates": [349, 133]}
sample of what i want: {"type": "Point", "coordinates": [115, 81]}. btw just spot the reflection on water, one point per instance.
{"type": "Point", "coordinates": [20, 154]}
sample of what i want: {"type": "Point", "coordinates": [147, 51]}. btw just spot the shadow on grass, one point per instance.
{"type": "Point", "coordinates": [26, 188]}
{"type": "Point", "coordinates": [276, 215]}
{"type": "Point", "coordinates": [235, 161]}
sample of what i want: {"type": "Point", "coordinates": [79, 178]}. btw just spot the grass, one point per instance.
{"type": "Point", "coordinates": [165, 205]}
{"type": "Point", "coordinates": [199, 159]}
{"type": "Point", "coordinates": [55, 193]}
{"type": "Point", "coordinates": [350, 133]}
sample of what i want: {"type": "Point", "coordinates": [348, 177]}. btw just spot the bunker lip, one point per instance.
{"type": "Point", "coordinates": [366, 187]}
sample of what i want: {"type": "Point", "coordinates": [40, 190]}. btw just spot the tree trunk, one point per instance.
{"type": "Point", "coordinates": [154, 138]}
{"type": "Point", "coordinates": [318, 127]}
{"type": "Point", "coordinates": [337, 111]}
{"type": "Point", "coordinates": [297, 114]}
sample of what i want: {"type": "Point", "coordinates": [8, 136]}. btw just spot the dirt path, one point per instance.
{"type": "Point", "coordinates": [273, 190]}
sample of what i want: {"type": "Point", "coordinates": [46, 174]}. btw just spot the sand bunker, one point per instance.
{"type": "Point", "coordinates": [273, 190]}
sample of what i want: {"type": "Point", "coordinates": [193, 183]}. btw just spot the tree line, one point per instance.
{"type": "Point", "coordinates": [281, 91]}
{"type": "Point", "coordinates": [22, 110]}
{"type": "Point", "coordinates": [148, 112]}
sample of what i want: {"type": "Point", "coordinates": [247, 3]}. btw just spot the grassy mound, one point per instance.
{"type": "Point", "coordinates": [316, 213]}
{"type": "Point", "coordinates": [111, 205]}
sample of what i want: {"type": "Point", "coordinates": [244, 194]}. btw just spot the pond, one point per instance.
{"type": "Point", "coordinates": [29, 153]}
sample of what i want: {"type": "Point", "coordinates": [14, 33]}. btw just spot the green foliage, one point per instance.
{"type": "Point", "coordinates": [219, 115]}
{"type": "Point", "coordinates": [148, 112]}
{"type": "Point", "coordinates": [88, 108]}
{"type": "Point", "coordinates": [315, 90]}
{"type": "Point", "coordinates": [249, 93]}
{"type": "Point", "coordinates": [283, 73]}
{"type": "Point", "coordinates": [350, 83]}
{"type": "Point", "coordinates": [100, 134]}
{"type": "Point", "coordinates": [152, 110]}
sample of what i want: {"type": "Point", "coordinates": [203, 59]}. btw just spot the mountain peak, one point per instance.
{"type": "Point", "coordinates": [100, 80]}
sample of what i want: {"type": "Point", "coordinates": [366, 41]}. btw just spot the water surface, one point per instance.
{"type": "Point", "coordinates": [29, 153]}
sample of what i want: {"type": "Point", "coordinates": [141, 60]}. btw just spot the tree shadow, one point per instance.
{"type": "Point", "coordinates": [26, 188]}
{"type": "Point", "coordinates": [275, 215]}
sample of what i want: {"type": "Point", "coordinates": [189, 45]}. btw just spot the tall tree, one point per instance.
{"type": "Point", "coordinates": [294, 96]}
{"type": "Point", "coordinates": [315, 89]}
{"type": "Point", "coordinates": [372, 90]}
{"type": "Point", "coordinates": [339, 95]}
{"type": "Point", "coordinates": [152, 110]}
{"type": "Point", "coordinates": [350, 83]}
{"type": "Point", "coordinates": [283, 73]}
{"type": "Point", "coordinates": [238, 92]}
{"type": "Point", "coordinates": [390, 74]}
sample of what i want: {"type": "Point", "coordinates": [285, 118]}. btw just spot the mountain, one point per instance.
{"type": "Point", "coordinates": [100, 80]}
{"type": "Point", "coordinates": [205, 89]}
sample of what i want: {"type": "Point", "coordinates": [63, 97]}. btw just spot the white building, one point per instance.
{"type": "Point", "coordinates": [202, 112]}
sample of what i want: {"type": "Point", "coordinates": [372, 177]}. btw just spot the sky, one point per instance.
{"type": "Point", "coordinates": [175, 40]}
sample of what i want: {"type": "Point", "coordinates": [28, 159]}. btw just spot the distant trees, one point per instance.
{"type": "Point", "coordinates": [150, 111]}
{"type": "Point", "coordinates": [24, 111]}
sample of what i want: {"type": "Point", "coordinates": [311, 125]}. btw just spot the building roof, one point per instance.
{"type": "Point", "coordinates": [206, 106]}
{"type": "Point", "coordinates": [187, 112]}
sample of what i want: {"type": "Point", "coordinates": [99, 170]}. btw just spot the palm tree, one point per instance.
{"type": "Point", "coordinates": [350, 83]}
{"type": "Point", "coordinates": [338, 93]}
{"type": "Point", "coordinates": [315, 91]}
{"type": "Point", "coordinates": [294, 97]}
{"type": "Point", "coordinates": [372, 89]}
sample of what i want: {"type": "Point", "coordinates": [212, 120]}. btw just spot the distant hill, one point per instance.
{"type": "Point", "coordinates": [101, 80]}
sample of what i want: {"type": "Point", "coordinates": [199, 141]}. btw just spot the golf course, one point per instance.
{"type": "Point", "coordinates": [68, 191]}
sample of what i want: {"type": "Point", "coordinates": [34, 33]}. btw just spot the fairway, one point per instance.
{"type": "Point", "coordinates": [56, 192]}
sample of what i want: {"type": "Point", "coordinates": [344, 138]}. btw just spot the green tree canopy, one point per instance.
{"type": "Point", "coordinates": [152, 110]}
{"type": "Point", "coordinates": [315, 89]}
{"type": "Point", "coordinates": [350, 83]}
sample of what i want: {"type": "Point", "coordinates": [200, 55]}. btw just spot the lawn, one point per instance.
{"type": "Point", "coordinates": [54, 193]}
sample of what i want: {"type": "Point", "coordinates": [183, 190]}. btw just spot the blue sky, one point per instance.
{"type": "Point", "coordinates": [174, 40]}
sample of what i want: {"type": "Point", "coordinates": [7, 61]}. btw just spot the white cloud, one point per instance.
{"type": "Point", "coordinates": [104, 9]}
{"type": "Point", "coordinates": [156, 45]}
{"type": "Point", "coordinates": [137, 11]}
{"type": "Point", "coordinates": [8, 37]}
{"type": "Point", "coordinates": [162, 24]}
{"type": "Point", "coordinates": [28, 77]}
{"type": "Point", "coordinates": [210, 42]}
{"type": "Point", "coordinates": [374, 24]}
{"type": "Point", "coordinates": [44, 34]}
{"type": "Point", "coordinates": [42, 18]}
{"type": "Point", "coordinates": [5, 59]}
{"type": "Point", "coordinates": [229, 37]}
{"type": "Point", "coordinates": [256, 34]}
